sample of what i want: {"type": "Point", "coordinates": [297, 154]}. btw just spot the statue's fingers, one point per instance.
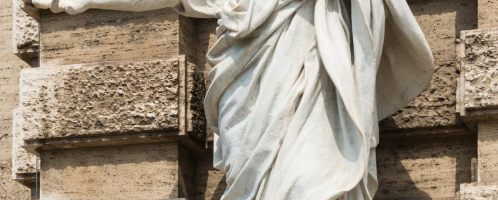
{"type": "Point", "coordinates": [42, 4]}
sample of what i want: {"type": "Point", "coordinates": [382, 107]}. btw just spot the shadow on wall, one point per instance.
{"type": "Point", "coordinates": [408, 168]}
{"type": "Point", "coordinates": [441, 21]}
{"type": "Point", "coordinates": [464, 12]}
{"type": "Point", "coordinates": [411, 168]}
{"type": "Point", "coordinates": [209, 182]}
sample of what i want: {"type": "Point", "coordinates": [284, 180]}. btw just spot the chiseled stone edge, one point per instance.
{"type": "Point", "coordinates": [195, 122]}
{"type": "Point", "coordinates": [26, 29]}
{"type": "Point", "coordinates": [466, 104]}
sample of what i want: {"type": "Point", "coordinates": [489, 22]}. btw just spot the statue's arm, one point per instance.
{"type": "Point", "coordinates": [79, 6]}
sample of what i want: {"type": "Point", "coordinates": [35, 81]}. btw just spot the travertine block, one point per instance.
{"type": "Point", "coordinates": [478, 83]}
{"type": "Point", "coordinates": [10, 189]}
{"type": "Point", "coordinates": [147, 171]}
{"type": "Point", "coordinates": [476, 191]}
{"type": "Point", "coordinates": [424, 164]}
{"type": "Point", "coordinates": [24, 164]}
{"type": "Point", "coordinates": [487, 151]}
{"type": "Point", "coordinates": [26, 29]}
{"type": "Point", "coordinates": [96, 99]}
{"type": "Point", "coordinates": [487, 13]}
{"type": "Point", "coordinates": [102, 35]}
{"type": "Point", "coordinates": [105, 104]}
{"type": "Point", "coordinates": [209, 182]}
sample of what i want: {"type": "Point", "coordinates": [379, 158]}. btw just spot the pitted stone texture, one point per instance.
{"type": "Point", "coordinates": [487, 13]}
{"type": "Point", "coordinates": [194, 113]}
{"type": "Point", "coordinates": [479, 63]}
{"type": "Point", "coordinates": [10, 67]}
{"type": "Point", "coordinates": [23, 162]}
{"type": "Point", "coordinates": [26, 28]}
{"type": "Point", "coordinates": [148, 171]}
{"type": "Point", "coordinates": [103, 35]}
{"type": "Point", "coordinates": [478, 191]}
{"type": "Point", "coordinates": [441, 21]}
{"type": "Point", "coordinates": [206, 38]}
{"type": "Point", "coordinates": [97, 99]}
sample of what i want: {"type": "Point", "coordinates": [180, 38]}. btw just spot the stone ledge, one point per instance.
{"type": "Point", "coordinates": [477, 93]}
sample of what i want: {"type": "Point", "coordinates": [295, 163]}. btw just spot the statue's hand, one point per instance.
{"type": "Point", "coordinates": [69, 6]}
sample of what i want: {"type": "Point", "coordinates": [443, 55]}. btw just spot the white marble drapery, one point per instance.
{"type": "Point", "coordinates": [297, 88]}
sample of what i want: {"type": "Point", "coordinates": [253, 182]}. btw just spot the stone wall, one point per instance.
{"type": "Point", "coordinates": [427, 150]}
{"type": "Point", "coordinates": [10, 67]}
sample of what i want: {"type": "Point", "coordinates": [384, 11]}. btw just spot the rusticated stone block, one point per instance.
{"type": "Point", "coordinates": [24, 164]}
{"type": "Point", "coordinates": [144, 171]}
{"type": "Point", "coordinates": [105, 104]}
{"type": "Point", "coordinates": [478, 84]}
{"type": "Point", "coordinates": [26, 29]}
{"type": "Point", "coordinates": [477, 191]}
{"type": "Point", "coordinates": [97, 99]}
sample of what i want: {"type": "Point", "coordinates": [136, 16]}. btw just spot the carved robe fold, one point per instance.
{"type": "Point", "coordinates": [298, 87]}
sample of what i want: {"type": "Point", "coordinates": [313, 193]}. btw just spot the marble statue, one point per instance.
{"type": "Point", "coordinates": [298, 87]}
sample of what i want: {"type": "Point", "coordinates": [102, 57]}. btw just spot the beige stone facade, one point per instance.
{"type": "Point", "coordinates": [108, 105]}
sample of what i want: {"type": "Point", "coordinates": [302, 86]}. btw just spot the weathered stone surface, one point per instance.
{"type": "Point", "coordinates": [478, 191]}
{"type": "Point", "coordinates": [424, 165]}
{"type": "Point", "coordinates": [441, 21]}
{"type": "Point", "coordinates": [147, 171]}
{"type": "Point", "coordinates": [487, 151]}
{"type": "Point", "coordinates": [24, 164]}
{"type": "Point", "coordinates": [100, 35]}
{"type": "Point", "coordinates": [105, 104]}
{"type": "Point", "coordinates": [26, 28]}
{"type": "Point", "coordinates": [98, 99]}
{"type": "Point", "coordinates": [478, 86]}
{"type": "Point", "coordinates": [487, 13]}
{"type": "Point", "coordinates": [194, 102]}
{"type": "Point", "coordinates": [206, 38]}
{"type": "Point", "coordinates": [10, 67]}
